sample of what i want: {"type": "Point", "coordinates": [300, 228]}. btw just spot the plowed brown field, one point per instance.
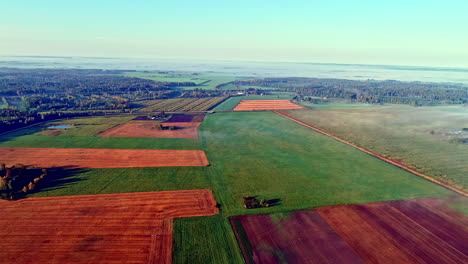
{"type": "Point", "coordinates": [149, 129]}
{"type": "Point", "coordinates": [101, 158]}
{"type": "Point", "coordinates": [252, 105]}
{"type": "Point", "coordinates": [414, 231]}
{"type": "Point", "coordinates": [109, 228]}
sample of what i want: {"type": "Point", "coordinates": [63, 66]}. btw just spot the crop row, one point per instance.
{"type": "Point", "coordinates": [184, 104]}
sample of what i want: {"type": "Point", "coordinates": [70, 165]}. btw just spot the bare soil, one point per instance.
{"type": "Point", "coordinates": [412, 231]}
{"type": "Point", "coordinates": [101, 158]}
{"type": "Point", "coordinates": [151, 129]}
{"type": "Point", "coordinates": [109, 228]}
{"type": "Point", "coordinates": [252, 105]}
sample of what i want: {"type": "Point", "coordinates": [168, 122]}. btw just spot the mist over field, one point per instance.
{"type": "Point", "coordinates": [249, 69]}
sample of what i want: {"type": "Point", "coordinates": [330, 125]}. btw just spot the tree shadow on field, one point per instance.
{"type": "Point", "coordinates": [55, 179]}
{"type": "Point", "coordinates": [270, 202]}
{"type": "Point", "coordinates": [274, 202]}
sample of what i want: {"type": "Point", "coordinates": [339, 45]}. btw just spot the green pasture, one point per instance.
{"type": "Point", "coordinates": [206, 81]}
{"type": "Point", "coordinates": [167, 77]}
{"type": "Point", "coordinates": [421, 137]}
{"type": "Point", "coordinates": [88, 126]}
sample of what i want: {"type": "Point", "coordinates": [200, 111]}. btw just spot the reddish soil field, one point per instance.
{"type": "Point", "coordinates": [101, 158]}
{"type": "Point", "coordinates": [413, 231]}
{"type": "Point", "coordinates": [109, 228]}
{"type": "Point", "coordinates": [252, 105]}
{"type": "Point", "coordinates": [302, 237]}
{"type": "Point", "coordinates": [150, 129]}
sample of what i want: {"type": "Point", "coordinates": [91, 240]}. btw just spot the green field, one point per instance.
{"type": "Point", "coordinates": [336, 105]}
{"type": "Point", "coordinates": [251, 153]}
{"type": "Point", "coordinates": [87, 126]}
{"type": "Point", "coordinates": [167, 77]}
{"type": "Point", "coordinates": [421, 137]}
{"type": "Point", "coordinates": [203, 81]}
{"type": "Point", "coordinates": [32, 138]}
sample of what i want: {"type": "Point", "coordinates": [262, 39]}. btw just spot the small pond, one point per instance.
{"type": "Point", "coordinates": [58, 127]}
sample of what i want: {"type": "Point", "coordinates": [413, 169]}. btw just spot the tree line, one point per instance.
{"type": "Point", "coordinates": [16, 181]}
{"type": "Point", "coordinates": [369, 91]}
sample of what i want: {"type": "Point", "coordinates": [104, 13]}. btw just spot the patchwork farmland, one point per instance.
{"type": "Point", "coordinates": [109, 228]}
{"type": "Point", "coordinates": [177, 126]}
{"type": "Point", "coordinates": [250, 153]}
{"type": "Point", "coordinates": [413, 231]}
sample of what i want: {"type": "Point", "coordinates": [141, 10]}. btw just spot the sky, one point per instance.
{"type": "Point", "coordinates": [397, 32]}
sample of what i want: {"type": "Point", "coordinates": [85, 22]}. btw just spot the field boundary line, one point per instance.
{"type": "Point", "coordinates": [116, 125]}
{"type": "Point", "coordinates": [374, 154]}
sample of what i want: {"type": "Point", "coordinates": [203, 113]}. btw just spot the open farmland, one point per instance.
{"type": "Point", "coordinates": [413, 231]}
{"type": "Point", "coordinates": [253, 105]}
{"type": "Point", "coordinates": [183, 104]}
{"type": "Point", "coordinates": [250, 153]}
{"type": "Point", "coordinates": [89, 126]}
{"type": "Point", "coordinates": [167, 77]}
{"type": "Point", "coordinates": [110, 228]}
{"type": "Point", "coordinates": [101, 158]}
{"type": "Point", "coordinates": [203, 81]}
{"type": "Point", "coordinates": [422, 138]}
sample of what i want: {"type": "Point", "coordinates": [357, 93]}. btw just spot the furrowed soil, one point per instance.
{"type": "Point", "coordinates": [109, 228]}
{"type": "Point", "coordinates": [413, 231]}
{"type": "Point", "coordinates": [152, 129]}
{"type": "Point", "coordinates": [101, 158]}
{"type": "Point", "coordinates": [252, 105]}
{"type": "Point", "coordinates": [287, 240]}
{"type": "Point", "coordinates": [392, 232]}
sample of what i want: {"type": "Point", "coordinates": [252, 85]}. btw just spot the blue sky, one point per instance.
{"type": "Point", "coordinates": [410, 32]}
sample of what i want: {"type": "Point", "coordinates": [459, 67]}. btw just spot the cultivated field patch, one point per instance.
{"type": "Point", "coordinates": [108, 228]}
{"type": "Point", "coordinates": [154, 129]}
{"type": "Point", "coordinates": [404, 134]}
{"type": "Point", "coordinates": [412, 231]}
{"type": "Point", "coordinates": [101, 158]}
{"type": "Point", "coordinates": [183, 104]}
{"type": "Point", "coordinates": [252, 105]}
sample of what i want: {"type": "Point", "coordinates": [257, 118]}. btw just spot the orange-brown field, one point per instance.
{"type": "Point", "coordinates": [252, 105]}
{"type": "Point", "coordinates": [109, 228]}
{"type": "Point", "coordinates": [101, 158]}
{"type": "Point", "coordinates": [422, 230]}
{"type": "Point", "coordinates": [151, 129]}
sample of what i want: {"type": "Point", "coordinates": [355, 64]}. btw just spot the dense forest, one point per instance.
{"type": "Point", "coordinates": [370, 91]}
{"type": "Point", "coordinates": [29, 96]}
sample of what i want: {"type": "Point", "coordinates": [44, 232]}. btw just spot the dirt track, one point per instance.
{"type": "Point", "coordinates": [374, 154]}
{"type": "Point", "coordinates": [252, 105]}
{"type": "Point", "coordinates": [101, 158]}
{"type": "Point", "coordinates": [414, 231]}
{"type": "Point", "coordinates": [109, 228]}
{"type": "Point", "coordinates": [149, 129]}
